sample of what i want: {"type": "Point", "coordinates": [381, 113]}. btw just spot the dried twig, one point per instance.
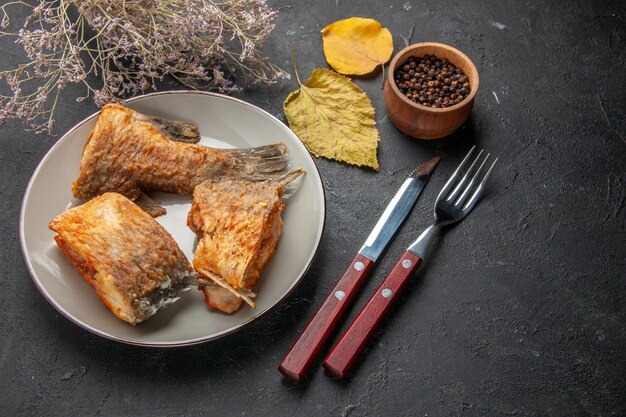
{"type": "Point", "coordinates": [130, 45]}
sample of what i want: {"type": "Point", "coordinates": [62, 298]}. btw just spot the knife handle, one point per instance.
{"type": "Point", "coordinates": [308, 346]}
{"type": "Point", "coordinates": [341, 358]}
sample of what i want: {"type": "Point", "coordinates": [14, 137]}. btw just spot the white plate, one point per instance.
{"type": "Point", "coordinates": [223, 122]}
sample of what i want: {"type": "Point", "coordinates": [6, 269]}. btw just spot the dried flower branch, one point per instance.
{"type": "Point", "coordinates": [130, 45]}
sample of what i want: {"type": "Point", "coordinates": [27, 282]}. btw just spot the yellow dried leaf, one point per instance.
{"type": "Point", "coordinates": [356, 46]}
{"type": "Point", "coordinates": [334, 118]}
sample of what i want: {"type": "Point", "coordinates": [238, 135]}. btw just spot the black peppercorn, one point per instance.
{"type": "Point", "coordinates": [432, 82]}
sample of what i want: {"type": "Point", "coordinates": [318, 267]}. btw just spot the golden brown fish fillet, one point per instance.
{"type": "Point", "coordinates": [238, 223]}
{"type": "Point", "coordinates": [130, 153]}
{"type": "Point", "coordinates": [131, 261]}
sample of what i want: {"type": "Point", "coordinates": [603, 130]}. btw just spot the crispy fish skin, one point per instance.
{"type": "Point", "coordinates": [128, 153]}
{"type": "Point", "coordinates": [132, 262]}
{"type": "Point", "coordinates": [238, 223]}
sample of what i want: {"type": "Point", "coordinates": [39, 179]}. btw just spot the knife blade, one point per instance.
{"type": "Point", "coordinates": [306, 348]}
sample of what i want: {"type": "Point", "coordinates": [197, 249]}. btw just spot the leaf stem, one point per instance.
{"type": "Point", "coordinates": [293, 61]}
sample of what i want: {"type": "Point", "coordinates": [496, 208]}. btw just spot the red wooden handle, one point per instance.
{"type": "Point", "coordinates": [308, 346]}
{"type": "Point", "coordinates": [340, 360]}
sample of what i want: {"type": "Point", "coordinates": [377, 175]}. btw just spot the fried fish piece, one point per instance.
{"type": "Point", "coordinates": [238, 223]}
{"type": "Point", "coordinates": [130, 153]}
{"type": "Point", "coordinates": [132, 262]}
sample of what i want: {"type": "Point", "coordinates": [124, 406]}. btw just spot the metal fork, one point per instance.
{"type": "Point", "coordinates": [456, 199]}
{"type": "Point", "coordinates": [450, 207]}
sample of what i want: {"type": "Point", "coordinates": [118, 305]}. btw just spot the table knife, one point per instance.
{"type": "Point", "coordinates": [308, 346]}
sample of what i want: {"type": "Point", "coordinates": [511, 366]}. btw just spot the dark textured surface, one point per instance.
{"type": "Point", "coordinates": [520, 310]}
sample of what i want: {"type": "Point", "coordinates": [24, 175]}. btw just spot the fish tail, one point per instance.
{"type": "Point", "coordinates": [287, 184]}
{"type": "Point", "coordinates": [288, 177]}
{"type": "Point", "coordinates": [261, 163]}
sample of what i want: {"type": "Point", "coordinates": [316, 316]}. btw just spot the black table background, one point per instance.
{"type": "Point", "coordinates": [520, 310]}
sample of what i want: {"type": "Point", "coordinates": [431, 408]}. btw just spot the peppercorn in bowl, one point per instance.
{"type": "Point", "coordinates": [430, 90]}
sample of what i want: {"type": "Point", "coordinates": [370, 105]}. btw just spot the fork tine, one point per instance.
{"type": "Point", "coordinates": [461, 183]}
{"type": "Point", "coordinates": [446, 188]}
{"type": "Point", "coordinates": [472, 201]}
{"type": "Point", "coordinates": [459, 202]}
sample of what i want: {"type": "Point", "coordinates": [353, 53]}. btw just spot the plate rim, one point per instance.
{"type": "Point", "coordinates": [189, 342]}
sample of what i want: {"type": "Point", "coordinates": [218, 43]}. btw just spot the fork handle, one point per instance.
{"type": "Point", "coordinates": [340, 360]}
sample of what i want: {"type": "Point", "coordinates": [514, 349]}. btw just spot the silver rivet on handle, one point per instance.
{"type": "Point", "coordinates": [359, 266]}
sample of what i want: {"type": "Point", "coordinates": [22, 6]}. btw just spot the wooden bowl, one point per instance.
{"type": "Point", "coordinates": [426, 122]}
